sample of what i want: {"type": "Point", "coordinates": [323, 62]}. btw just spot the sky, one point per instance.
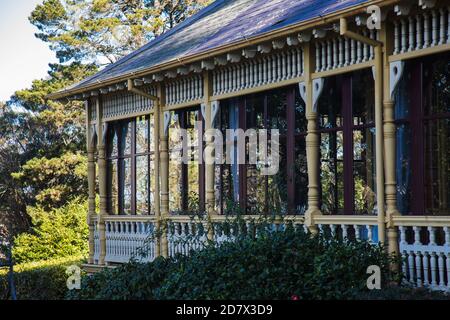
{"type": "Point", "coordinates": [23, 57]}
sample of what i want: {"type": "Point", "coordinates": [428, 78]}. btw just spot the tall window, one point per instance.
{"type": "Point", "coordinates": [243, 185]}
{"type": "Point", "coordinates": [130, 158]}
{"type": "Point", "coordinates": [422, 115]}
{"type": "Point", "coordinates": [347, 148]}
{"type": "Point", "coordinates": [186, 172]}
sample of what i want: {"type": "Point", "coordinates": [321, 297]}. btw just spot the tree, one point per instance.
{"type": "Point", "coordinates": [102, 31]}
{"type": "Point", "coordinates": [40, 144]}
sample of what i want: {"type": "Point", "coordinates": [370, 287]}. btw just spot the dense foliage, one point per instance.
{"type": "Point", "coordinates": [279, 265]}
{"type": "Point", "coordinates": [105, 30]}
{"type": "Point", "coordinates": [60, 232]}
{"type": "Point", "coordinates": [42, 280]}
{"type": "Point", "coordinates": [42, 142]}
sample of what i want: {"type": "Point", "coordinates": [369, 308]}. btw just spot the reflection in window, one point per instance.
{"type": "Point", "coordinates": [186, 182]}
{"type": "Point", "coordinates": [347, 147]}
{"type": "Point", "coordinates": [242, 187]}
{"type": "Point", "coordinates": [422, 115]}
{"type": "Point", "coordinates": [130, 184]}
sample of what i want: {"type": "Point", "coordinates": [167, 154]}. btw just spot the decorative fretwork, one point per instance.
{"type": "Point", "coordinates": [339, 52]}
{"type": "Point", "coordinates": [184, 90]}
{"type": "Point", "coordinates": [124, 103]}
{"type": "Point", "coordinates": [276, 67]}
{"type": "Point", "coordinates": [424, 30]}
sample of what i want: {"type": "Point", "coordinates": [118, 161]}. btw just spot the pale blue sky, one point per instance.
{"type": "Point", "coordinates": [23, 57]}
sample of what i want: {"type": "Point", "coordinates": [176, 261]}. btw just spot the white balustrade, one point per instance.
{"type": "Point", "coordinates": [340, 51]}
{"type": "Point", "coordinates": [126, 239]}
{"type": "Point", "coordinates": [183, 237]}
{"type": "Point", "coordinates": [426, 261]}
{"type": "Point", "coordinates": [424, 30]}
{"type": "Point", "coordinates": [344, 231]}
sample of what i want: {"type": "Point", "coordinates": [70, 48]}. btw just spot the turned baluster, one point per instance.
{"type": "Point", "coordinates": [358, 52]}
{"type": "Point", "coordinates": [357, 232]}
{"type": "Point", "coordinates": [369, 233]}
{"type": "Point", "coordinates": [426, 30]}
{"type": "Point", "coordinates": [433, 269]}
{"type": "Point", "coordinates": [418, 256]}
{"type": "Point", "coordinates": [341, 52]}
{"type": "Point", "coordinates": [324, 56]}
{"type": "Point", "coordinates": [418, 32]}
{"type": "Point", "coordinates": [403, 25]}
{"type": "Point", "coordinates": [396, 37]}
{"type": "Point", "coordinates": [434, 28]}
{"type": "Point", "coordinates": [411, 33]}
{"type": "Point", "coordinates": [335, 53]}
{"type": "Point", "coordinates": [344, 231]}
{"type": "Point", "coordinates": [318, 57]}
{"type": "Point", "coordinates": [329, 55]}
{"type": "Point", "coordinates": [333, 230]}
{"type": "Point", "coordinates": [347, 52]}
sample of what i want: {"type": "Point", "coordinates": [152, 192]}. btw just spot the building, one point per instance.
{"type": "Point", "coordinates": [358, 90]}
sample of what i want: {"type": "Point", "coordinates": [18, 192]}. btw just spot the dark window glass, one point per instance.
{"type": "Point", "coordinates": [347, 148]}
{"type": "Point", "coordinates": [243, 187]}
{"type": "Point", "coordinates": [422, 114]}
{"type": "Point", "coordinates": [130, 164]}
{"type": "Point", "coordinates": [186, 169]}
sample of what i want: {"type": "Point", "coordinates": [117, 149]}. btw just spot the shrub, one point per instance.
{"type": "Point", "coordinates": [61, 232]}
{"type": "Point", "coordinates": [41, 280]}
{"type": "Point", "coordinates": [278, 265]}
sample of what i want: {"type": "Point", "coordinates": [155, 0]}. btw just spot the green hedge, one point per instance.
{"type": "Point", "coordinates": [60, 232]}
{"type": "Point", "coordinates": [41, 280]}
{"type": "Point", "coordinates": [279, 265]}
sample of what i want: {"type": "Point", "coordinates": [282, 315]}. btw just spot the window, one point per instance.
{"type": "Point", "coordinates": [347, 148]}
{"type": "Point", "coordinates": [186, 178]}
{"type": "Point", "coordinates": [422, 114]}
{"type": "Point", "coordinates": [130, 159]}
{"type": "Point", "coordinates": [242, 186]}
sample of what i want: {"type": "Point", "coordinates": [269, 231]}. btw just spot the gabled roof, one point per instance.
{"type": "Point", "coordinates": [224, 22]}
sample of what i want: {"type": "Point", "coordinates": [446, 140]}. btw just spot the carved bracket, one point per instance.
{"type": "Point", "coordinates": [302, 89]}
{"type": "Point", "coordinates": [317, 91]}
{"type": "Point", "coordinates": [395, 74]}
{"type": "Point", "coordinates": [203, 110]}
{"type": "Point", "coordinates": [104, 132]}
{"type": "Point", "coordinates": [167, 116]}
{"type": "Point", "coordinates": [93, 134]}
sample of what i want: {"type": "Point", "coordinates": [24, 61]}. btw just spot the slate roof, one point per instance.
{"type": "Point", "coordinates": [222, 22]}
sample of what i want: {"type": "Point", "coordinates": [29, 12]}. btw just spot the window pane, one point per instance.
{"type": "Point", "coordinates": [330, 105]}
{"type": "Point", "coordinates": [402, 95]}
{"type": "Point", "coordinates": [256, 190]}
{"type": "Point", "coordinates": [437, 167]}
{"type": "Point", "coordinates": [403, 168]}
{"type": "Point", "coordinates": [142, 185]}
{"type": "Point", "coordinates": [193, 199]}
{"type": "Point", "coordinates": [113, 186]}
{"type": "Point", "coordinates": [126, 138]}
{"type": "Point", "coordinates": [332, 172]}
{"type": "Point", "coordinates": [153, 178]}
{"type": "Point", "coordinates": [112, 141]}
{"type": "Point", "coordinates": [301, 122]}
{"type": "Point", "coordinates": [363, 98]}
{"type": "Point", "coordinates": [437, 82]}
{"type": "Point", "coordinates": [276, 110]}
{"type": "Point", "coordinates": [364, 171]}
{"type": "Point", "coordinates": [142, 138]}
{"type": "Point", "coordinates": [301, 176]}
{"type": "Point", "coordinates": [152, 133]}
{"type": "Point", "coordinates": [127, 186]}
